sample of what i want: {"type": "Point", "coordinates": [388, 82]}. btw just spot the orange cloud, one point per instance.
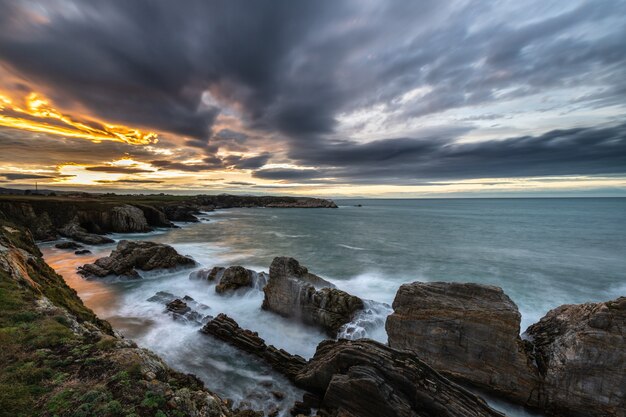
{"type": "Point", "coordinates": [38, 115]}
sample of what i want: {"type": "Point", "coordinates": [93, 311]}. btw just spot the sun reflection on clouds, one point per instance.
{"type": "Point", "coordinates": [37, 114]}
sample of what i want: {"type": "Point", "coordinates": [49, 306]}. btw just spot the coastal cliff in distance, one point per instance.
{"type": "Point", "coordinates": [87, 217]}
{"type": "Point", "coordinates": [59, 359]}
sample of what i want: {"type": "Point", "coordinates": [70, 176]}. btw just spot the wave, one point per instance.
{"type": "Point", "coordinates": [350, 247]}
{"type": "Point", "coordinates": [284, 235]}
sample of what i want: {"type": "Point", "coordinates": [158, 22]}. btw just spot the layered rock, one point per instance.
{"type": "Point", "coordinates": [365, 378]}
{"type": "Point", "coordinates": [75, 231]}
{"type": "Point", "coordinates": [293, 292]}
{"type": "Point", "coordinates": [129, 257]}
{"type": "Point", "coordinates": [581, 353]}
{"type": "Point", "coordinates": [227, 329]}
{"type": "Point", "coordinates": [469, 332]}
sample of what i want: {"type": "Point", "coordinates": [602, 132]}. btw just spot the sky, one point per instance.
{"type": "Point", "coordinates": [340, 98]}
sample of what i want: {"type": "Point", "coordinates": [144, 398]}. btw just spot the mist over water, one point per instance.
{"type": "Point", "coordinates": [542, 252]}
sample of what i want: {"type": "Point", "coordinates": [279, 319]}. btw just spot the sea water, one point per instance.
{"type": "Point", "coordinates": [542, 252]}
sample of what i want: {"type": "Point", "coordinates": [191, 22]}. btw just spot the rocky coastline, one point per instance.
{"type": "Point", "coordinates": [87, 218]}
{"type": "Point", "coordinates": [444, 340]}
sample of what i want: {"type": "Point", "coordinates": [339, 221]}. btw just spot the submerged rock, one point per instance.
{"type": "Point", "coordinates": [365, 378]}
{"type": "Point", "coordinates": [184, 309]}
{"type": "Point", "coordinates": [82, 252]}
{"type": "Point", "coordinates": [207, 274]}
{"type": "Point", "coordinates": [68, 245]}
{"type": "Point", "coordinates": [130, 256]}
{"type": "Point", "coordinates": [469, 332]}
{"type": "Point", "coordinates": [293, 292]}
{"type": "Point", "coordinates": [581, 353]}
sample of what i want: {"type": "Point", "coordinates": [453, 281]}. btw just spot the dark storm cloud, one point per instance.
{"type": "Point", "coordinates": [294, 66]}
{"type": "Point", "coordinates": [17, 176]}
{"type": "Point", "coordinates": [253, 162]}
{"type": "Point", "coordinates": [290, 69]}
{"type": "Point", "coordinates": [24, 147]}
{"type": "Point", "coordinates": [118, 170]}
{"type": "Point", "coordinates": [579, 151]}
{"type": "Point", "coordinates": [286, 174]}
{"type": "Point", "coordinates": [208, 165]}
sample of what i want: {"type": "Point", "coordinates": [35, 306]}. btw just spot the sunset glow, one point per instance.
{"type": "Point", "coordinates": [38, 115]}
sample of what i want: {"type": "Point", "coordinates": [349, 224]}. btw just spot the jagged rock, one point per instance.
{"type": "Point", "coordinates": [82, 252]}
{"type": "Point", "coordinates": [130, 256]}
{"type": "Point", "coordinates": [184, 309]}
{"type": "Point", "coordinates": [178, 307]}
{"type": "Point", "coordinates": [469, 332]}
{"type": "Point", "coordinates": [68, 245]}
{"type": "Point", "coordinates": [227, 329]}
{"type": "Point", "coordinates": [128, 218]}
{"type": "Point", "coordinates": [154, 216]}
{"type": "Point", "coordinates": [292, 292]}
{"type": "Point", "coordinates": [365, 378]}
{"type": "Point", "coordinates": [181, 212]}
{"type": "Point", "coordinates": [233, 278]}
{"type": "Point", "coordinates": [236, 277]}
{"type": "Point", "coordinates": [207, 274]}
{"type": "Point", "coordinates": [75, 231]}
{"type": "Point", "coordinates": [581, 353]}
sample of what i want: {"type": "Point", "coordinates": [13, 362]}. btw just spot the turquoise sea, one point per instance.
{"type": "Point", "coordinates": [542, 252]}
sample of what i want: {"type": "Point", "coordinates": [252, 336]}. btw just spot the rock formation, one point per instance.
{"type": "Point", "coordinates": [571, 363]}
{"type": "Point", "coordinates": [581, 353]}
{"type": "Point", "coordinates": [365, 378]}
{"type": "Point", "coordinates": [208, 274]}
{"type": "Point", "coordinates": [227, 329]}
{"type": "Point", "coordinates": [469, 332]}
{"type": "Point", "coordinates": [87, 216]}
{"type": "Point", "coordinates": [75, 231]}
{"type": "Point", "coordinates": [60, 359]}
{"type": "Point", "coordinates": [130, 256]}
{"type": "Point", "coordinates": [292, 292]}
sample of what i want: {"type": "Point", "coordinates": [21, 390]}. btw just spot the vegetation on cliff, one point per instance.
{"type": "Point", "coordinates": [59, 359]}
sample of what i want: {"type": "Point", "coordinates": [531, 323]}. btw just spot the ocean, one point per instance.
{"type": "Point", "coordinates": [542, 252]}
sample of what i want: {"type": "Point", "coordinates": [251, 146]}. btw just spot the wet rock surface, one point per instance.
{"type": "Point", "coordinates": [68, 245]}
{"type": "Point", "coordinates": [184, 309]}
{"type": "Point", "coordinates": [368, 379]}
{"type": "Point", "coordinates": [227, 329]}
{"type": "Point", "coordinates": [469, 332]}
{"type": "Point", "coordinates": [129, 257]}
{"type": "Point", "coordinates": [293, 292]}
{"type": "Point", "coordinates": [580, 351]}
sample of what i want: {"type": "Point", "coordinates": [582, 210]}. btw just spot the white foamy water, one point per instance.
{"type": "Point", "coordinates": [543, 253]}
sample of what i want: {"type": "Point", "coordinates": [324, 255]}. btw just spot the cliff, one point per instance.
{"type": "Point", "coordinates": [87, 217]}
{"type": "Point", "coordinates": [59, 359]}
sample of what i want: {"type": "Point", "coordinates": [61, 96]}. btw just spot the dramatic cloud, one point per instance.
{"type": "Point", "coordinates": [580, 151]}
{"type": "Point", "coordinates": [118, 169]}
{"type": "Point", "coordinates": [18, 176]}
{"type": "Point", "coordinates": [339, 91]}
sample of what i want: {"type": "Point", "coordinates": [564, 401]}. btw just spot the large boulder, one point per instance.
{"type": "Point", "coordinates": [131, 256]}
{"type": "Point", "coordinates": [469, 332]}
{"type": "Point", "coordinates": [294, 292]}
{"type": "Point", "coordinates": [581, 353]}
{"type": "Point", "coordinates": [365, 378]}
{"type": "Point", "coordinates": [127, 218]}
{"type": "Point", "coordinates": [75, 231]}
